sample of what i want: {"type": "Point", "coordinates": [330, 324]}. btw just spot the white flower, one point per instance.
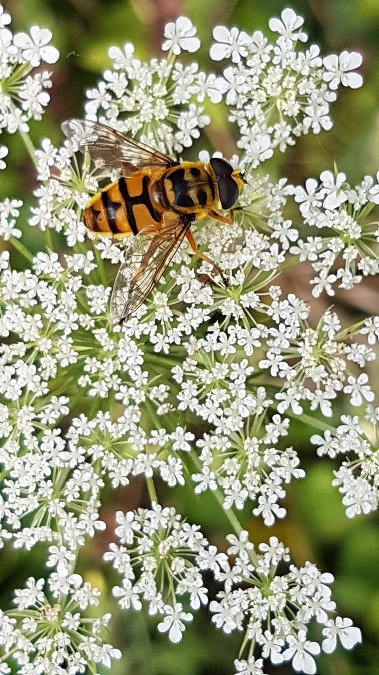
{"type": "Point", "coordinates": [122, 60]}
{"type": "Point", "coordinates": [323, 283]}
{"type": "Point", "coordinates": [229, 43]}
{"type": "Point", "coordinates": [3, 153]}
{"type": "Point", "coordinates": [300, 650]}
{"type": "Point", "coordinates": [4, 17]}
{"type": "Point", "coordinates": [181, 35]}
{"type": "Point", "coordinates": [9, 211]}
{"type": "Point", "coordinates": [269, 509]}
{"type": "Point", "coordinates": [4, 260]}
{"type": "Point", "coordinates": [317, 118]}
{"type": "Point", "coordinates": [338, 67]}
{"type": "Point", "coordinates": [288, 25]}
{"type": "Point", "coordinates": [61, 558]}
{"type": "Point", "coordinates": [181, 438]}
{"type": "Point", "coordinates": [333, 189]}
{"type": "Point", "coordinates": [308, 197]}
{"type": "Point", "coordinates": [240, 546]}
{"type": "Point", "coordinates": [34, 48]}
{"type": "Point", "coordinates": [271, 647]}
{"type": "Point", "coordinates": [128, 595]}
{"type": "Point", "coordinates": [173, 621]}
{"type": "Point", "coordinates": [31, 594]}
{"type": "Point", "coordinates": [258, 148]}
{"type": "Point", "coordinates": [342, 628]}
{"type": "Point", "coordinates": [358, 388]}
{"type": "Point", "coordinates": [233, 83]}
{"type": "Point", "coordinates": [206, 480]}
{"type": "Point", "coordinates": [249, 667]}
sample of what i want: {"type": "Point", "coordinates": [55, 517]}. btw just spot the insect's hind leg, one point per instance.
{"type": "Point", "coordinates": [204, 257]}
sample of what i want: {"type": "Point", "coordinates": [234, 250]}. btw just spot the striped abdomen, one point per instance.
{"type": "Point", "coordinates": [125, 207]}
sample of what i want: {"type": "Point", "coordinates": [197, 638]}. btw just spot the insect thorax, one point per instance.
{"type": "Point", "coordinates": [189, 187]}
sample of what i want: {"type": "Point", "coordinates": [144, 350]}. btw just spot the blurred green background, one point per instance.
{"type": "Point", "coordinates": [316, 528]}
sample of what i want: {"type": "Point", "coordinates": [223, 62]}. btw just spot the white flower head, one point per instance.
{"type": "Point", "coordinates": [359, 389]}
{"type": "Point", "coordinates": [288, 26]}
{"type": "Point", "coordinates": [4, 17]}
{"type": "Point", "coordinates": [338, 70]}
{"type": "Point", "coordinates": [275, 93]}
{"type": "Point", "coordinates": [229, 43]}
{"type": "Point", "coordinates": [299, 651]}
{"type": "Point", "coordinates": [348, 634]}
{"type": "Point", "coordinates": [181, 36]}
{"type": "Point", "coordinates": [36, 48]}
{"type": "Point", "coordinates": [3, 153]}
{"type": "Point", "coordinates": [173, 622]}
{"type": "Point", "coordinates": [121, 59]}
{"type": "Point", "coordinates": [250, 667]}
{"type": "Point", "coordinates": [333, 189]}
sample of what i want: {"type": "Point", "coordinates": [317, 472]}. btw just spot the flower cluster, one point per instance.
{"type": "Point", "coordinates": [9, 212]}
{"type": "Point", "coordinates": [348, 249]}
{"type": "Point", "coordinates": [23, 94]}
{"type": "Point", "coordinates": [168, 556]}
{"type": "Point", "coordinates": [86, 404]}
{"type": "Point", "coordinates": [357, 477]}
{"type": "Point", "coordinates": [160, 556]}
{"type": "Point", "coordinates": [47, 632]}
{"type": "Point", "coordinates": [276, 92]}
{"type": "Point", "coordinates": [161, 100]}
{"type": "Point", "coordinates": [275, 609]}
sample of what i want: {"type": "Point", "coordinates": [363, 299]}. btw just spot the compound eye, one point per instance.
{"type": "Point", "coordinates": [227, 187]}
{"type": "Point", "coordinates": [221, 167]}
{"type": "Point", "coordinates": [228, 192]}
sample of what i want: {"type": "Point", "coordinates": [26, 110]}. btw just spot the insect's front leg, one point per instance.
{"type": "Point", "coordinates": [204, 257]}
{"type": "Point", "coordinates": [222, 219]}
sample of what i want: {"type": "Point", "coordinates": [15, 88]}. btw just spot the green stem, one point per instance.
{"type": "Point", "coordinates": [30, 147]}
{"type": "Point", "coordinates": [233, 520]}
{"type": "Point", "coordinates": [18, 74]}
{"type": "Point", "coordinates": [365, 211]}
{"type": "Point", "coordinates": [243, 645]}
{"type": "Point", "coordinates": [311, 421]}
{"type": "Point", "coordinates": [22, 249]}
{"type": "Point", "coordinates": [151, 490]}
{"type": "Point", "coordinates": [49, 240]}
{"type": "Point", "coordinates": [100, 266]}
{"type": "Point", "coordinates": [154, 418]}
{"type": "Point", "coordinates": [161, 361]}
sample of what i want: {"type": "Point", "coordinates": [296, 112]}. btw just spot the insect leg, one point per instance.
{"type": "Point", "coordinates": [222, 219]}
{"type": "Point", "coordinates": [204, 257]}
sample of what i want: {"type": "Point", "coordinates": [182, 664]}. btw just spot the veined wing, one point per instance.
{"type": "Point", "coordinates": [112, 150]}
{"type": "Point", "coordinates": [144, 265]}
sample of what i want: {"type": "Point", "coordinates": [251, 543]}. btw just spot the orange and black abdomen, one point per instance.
{"type": "Point", "coordinates": [123, 208]}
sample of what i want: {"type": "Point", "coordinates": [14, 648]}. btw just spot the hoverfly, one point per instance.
{"type": "Point", "coordinates": [156, 199]}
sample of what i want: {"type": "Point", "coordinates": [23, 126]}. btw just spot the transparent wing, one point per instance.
{"type": "Point", "coordinates": [143, 266]}
{"type": "Point", "coordinates": [110, 149]}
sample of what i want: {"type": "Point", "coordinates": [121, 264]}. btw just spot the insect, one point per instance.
{"type": "Point", "coordinates": [156, 199]}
